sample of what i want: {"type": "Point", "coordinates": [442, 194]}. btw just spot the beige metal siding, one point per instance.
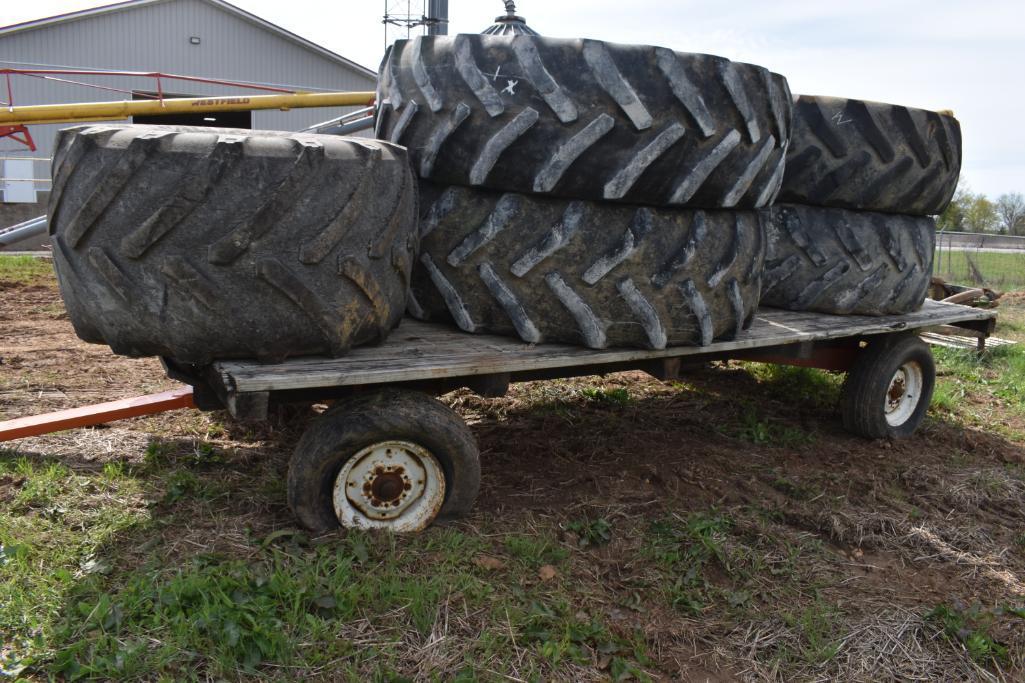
{"type": "Point", "coordinates": [155, 37]}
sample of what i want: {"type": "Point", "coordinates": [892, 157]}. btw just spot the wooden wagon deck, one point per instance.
{"type": "Point", "coordinates": [418, 351]}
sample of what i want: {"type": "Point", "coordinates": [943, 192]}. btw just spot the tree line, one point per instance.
{"type": "Point", "coordinates": [974, 212]}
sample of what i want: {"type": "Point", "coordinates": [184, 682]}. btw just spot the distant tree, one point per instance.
{"type": "Point", "coordinates": [982, 215]}
{"type": "Point", "coordinates": [952, 217]}
{"type": "Point", "coordinates": [969, 212]}
{"type": "Point", "coordinates": [1010, 210]}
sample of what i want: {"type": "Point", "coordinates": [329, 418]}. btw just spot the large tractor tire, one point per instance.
{"type": "Point", "coordinates": [584, 119]}
{"type": "Point", "coordinates": [872, 156]}
{"type": "Point", "coordinates": [847, 262]}
{"type": "Point", "coordinates": [595, 274]}
{"type": "Point", "coordinates": [206, 243]}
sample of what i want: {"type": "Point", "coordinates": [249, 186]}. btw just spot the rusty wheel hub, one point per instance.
{"type": "Point", "coordinates": [387, 486]}
{"type": "Point", "coordinates": [904, 393]}
{"type": "Point", "coordinates": [396, 485]}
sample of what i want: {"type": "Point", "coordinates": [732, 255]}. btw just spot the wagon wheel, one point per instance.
{"type": "Point", "coordinates": [888, 391]}
{"type": "Point", "coordinates": [388, 459]}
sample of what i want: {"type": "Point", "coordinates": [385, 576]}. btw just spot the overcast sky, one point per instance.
{"type": "Point", "coordinates": [964, 55]}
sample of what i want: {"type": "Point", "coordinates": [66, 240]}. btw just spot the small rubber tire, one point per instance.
{"type": "Point", "coordinates": [352, 424]}
{"type": "Point", "coordinates": [867, 391]}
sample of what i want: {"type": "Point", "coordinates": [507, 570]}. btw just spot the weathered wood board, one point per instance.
{"type": "Point", "coordinates": [420, 351]}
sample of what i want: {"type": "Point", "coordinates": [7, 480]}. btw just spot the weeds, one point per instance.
{"type": "Point", "coordinates": [971, 627]}
{"type": "Point", "coordinates": [618, 396]}
{"type": "Point", "coordinates": [685, 551]}
{"type": "Point", "coordinates": [792, 489]}
{"type": "Point", "coordinates": [758, 431]}
{"type": "Point", "coordinates": [560, 637]}
{"type": "Point", "coordinates": [590, 532]}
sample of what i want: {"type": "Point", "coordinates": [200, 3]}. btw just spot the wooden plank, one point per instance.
{"type": "Point", "coordinates": [419, 351]}
{"type": "Point", "coordinates": [99, 413]}
{"type": "Point", "coordinates": [962, 342]}
{"type": "Point", "coordinates": [956, 331]}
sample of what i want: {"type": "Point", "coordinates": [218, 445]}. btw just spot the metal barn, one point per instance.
{"type": "Point", "coordinates": [206, 38]}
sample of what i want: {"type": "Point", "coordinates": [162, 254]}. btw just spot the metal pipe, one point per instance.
{"type": "Point", "coordinates": [348, 128]}
{"type": "Point", "coordinates": [23, 231]}
{"type": "Point", "coordinates": [115, 111]}
{"type": "Point", "coordinates": [437, 18]}
{"type": "Point", "coordinates": [359, 113]}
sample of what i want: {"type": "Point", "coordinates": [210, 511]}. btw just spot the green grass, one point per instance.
{"type": "Point", "coordinates": [618, 396]}
{"type": "Point", "coordinates": [51, 537]}
{"type": "Point", "coordinates": [818, 636]}
{"type": "Point", "coordinates": [535, 550]}
{"type": "Point", "coordinates": [763, 431]}
{"type": "Point", "coordinates": [560, 635]}
{"type": "Point", "coordinates": [225, 615]}
{"type": "Point", "coordinates": [24, 269]}
{"type": "Point", "coordinates": [998, 270]}
{"type": "Point", "coordinates": [97, 583]}
{"type": "Point", "coordinates": [807, 385]}
{"type": "Point", "coordinates": [999, 371]}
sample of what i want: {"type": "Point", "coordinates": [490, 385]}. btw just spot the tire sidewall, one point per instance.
{"type": "Point", "coordinates": [909, 349]}
{"type": "Point", "coordinates": [347, 428]}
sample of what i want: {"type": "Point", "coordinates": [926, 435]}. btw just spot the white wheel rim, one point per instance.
{"type": "Point", "coordinates": [393, 485]}
{"type": "Point", "coordinates": [904, 393]}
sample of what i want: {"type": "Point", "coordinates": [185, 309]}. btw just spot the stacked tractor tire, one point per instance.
{"type": "Point", "coordinates": [620, 195]}
{"type": "Point", "coordinates": [584, 192]}
{"type": "Point", "coordinates": [852, 234]}
{"type": "Point", "coordinates": [570, 191]}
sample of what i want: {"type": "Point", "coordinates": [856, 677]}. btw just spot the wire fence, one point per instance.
{"type": "Point", "coordinates": [994, 261]}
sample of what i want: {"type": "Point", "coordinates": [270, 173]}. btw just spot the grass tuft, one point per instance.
{"type": "Point", "coordinates": [619, 396]}
{"type": "Point", "coordinates": [24, 270]}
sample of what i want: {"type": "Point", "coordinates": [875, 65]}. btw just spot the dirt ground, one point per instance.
{"type": "Point", "coordinates": [832, 556]}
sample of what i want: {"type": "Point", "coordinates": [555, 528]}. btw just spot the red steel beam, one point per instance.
{"type": "Point", "coordinates": [100, 413]}
{"type": "Point", "coordinates": [828, 358]}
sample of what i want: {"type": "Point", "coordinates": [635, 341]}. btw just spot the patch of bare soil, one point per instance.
{"type": "Point", "coordinates": [45, 367]}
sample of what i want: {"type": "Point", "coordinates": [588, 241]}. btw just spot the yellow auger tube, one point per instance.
{"type": "Point", "coordinates": [115, 111]}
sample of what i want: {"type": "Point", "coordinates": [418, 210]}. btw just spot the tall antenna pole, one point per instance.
{"type": "Point", "coordinates": [432, 15]}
